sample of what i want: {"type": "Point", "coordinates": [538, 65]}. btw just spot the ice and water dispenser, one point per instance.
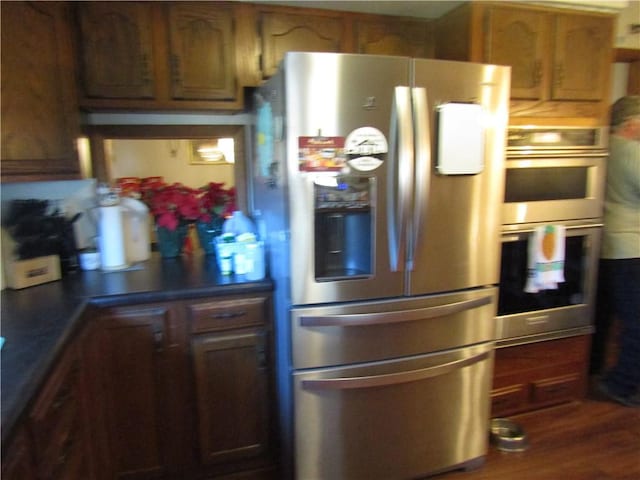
{"type": "Point", "coordinates": [343, 227]}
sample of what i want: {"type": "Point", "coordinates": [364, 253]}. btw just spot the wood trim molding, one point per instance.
{"type": "Point", "coordinates": [627, 55]}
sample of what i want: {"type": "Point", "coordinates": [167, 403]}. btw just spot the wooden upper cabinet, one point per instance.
{"type": "Point", "coordinates": [553, 56]}
{"type": "Point", "coordinates": [519, 39]}
{"type": "Point", "coordinates": [116, 49]}
{"type": "Point", "coordinates": [393, 36]}
{"type": "Point", "coordinates": [300, 32]}
{"type": "Point", "coordinates": [583, 57]}
{"type": "Point", "coordinates": [560, 58]}
{"type": "Point", "coordinates": [39, 116]}
{"type": "Point", "coordinates": [201, 52]}
{"type": "Point", "coordinates": [160, 55]}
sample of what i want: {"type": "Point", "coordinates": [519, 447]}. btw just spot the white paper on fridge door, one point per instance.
{"type": "Point", "coordinates": [460, 139]}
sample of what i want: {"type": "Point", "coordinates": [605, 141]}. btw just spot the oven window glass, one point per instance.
{"type": "Point", "coordinates": [513, 276]}
{"type": "Point", "coordinates": [536, 184]}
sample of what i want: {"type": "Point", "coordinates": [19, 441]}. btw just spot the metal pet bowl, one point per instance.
{"type": "Point", "coordinates": [508, 436]}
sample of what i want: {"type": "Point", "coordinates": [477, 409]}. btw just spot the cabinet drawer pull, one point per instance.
{"type": "Point", "coordinates": [62, 398]}
{"type": "Point", "coordinates": [158, 340]}
{"type": "Point", "coordinates": [227, 315]}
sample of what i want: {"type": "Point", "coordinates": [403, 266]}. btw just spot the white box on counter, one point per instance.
{"type": "Point", "coordinates": [241, 258]}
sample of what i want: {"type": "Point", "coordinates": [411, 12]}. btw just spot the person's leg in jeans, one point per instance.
{"type": "Point", "coordinates": [623, 379]}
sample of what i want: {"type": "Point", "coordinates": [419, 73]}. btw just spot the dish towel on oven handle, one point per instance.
{"type": "Point", "coordinates": [546, 258]}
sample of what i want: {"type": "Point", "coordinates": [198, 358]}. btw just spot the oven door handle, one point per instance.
{"type": "Point", "coordinates": [381, 318]}
{"type": "Point", "coordinates": [349, 383]}
{"type": "Point", "coordinates": [551, 162]}
{"type": "Point", "coordinates": [513, 236]}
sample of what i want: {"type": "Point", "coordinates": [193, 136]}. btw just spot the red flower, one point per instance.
{"type": "Point", "coordinates": [215, 200]}
{"type": "Point", "coordinates": [173, 204]}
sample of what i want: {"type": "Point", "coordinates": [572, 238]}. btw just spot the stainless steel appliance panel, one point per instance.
{"type": "Point", "coordinates": [332, 95]}
{"type": "Point", "coordinates": [359, 332]}
{"type": "Point", "coordinates": [554, 174]}
{"type": "Point", "coordinates": [395, 419]}
{"type": "Point", "coordinates": [457, 217]}
{"type": "Point", "coordinates": [528, 315]}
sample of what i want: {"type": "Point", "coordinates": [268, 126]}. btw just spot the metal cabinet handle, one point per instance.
{"type": "Point", "coordinates": [144, 67]}
{"type": "Point", "coordinates": [227, 315]}
{"type": "Point", "coordinates": [158, 340]}
{"type": "Point", "coordinates": [175, 69]}
{"type": "Point", "coordinates": [363, 319]}
{"type": "Point", "coordinates": [384, 380]}
{"type": "Point", "coordinates": [537, 73]}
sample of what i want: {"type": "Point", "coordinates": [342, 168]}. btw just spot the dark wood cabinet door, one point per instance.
{"type": "Point", "coordinates": [582, 56]}
{"type": "Point", "coordinates": [116, 49]}
{"type": "Point", "coordinates": [232, 400]}
{"type": "Point", "coordinates": [17, 458]}
{"type": "Point", "coordinates": [134, 345]}
{"type": "Point", "coordinates": [282, 32]}
{"type": "Point", "coordinates": [39, 118]}
{"type": "Point", "coordinates": [395, 37]}
{"type": "Point", "coordinates": [201, 51]}
{"type": "Point", "coordinates": [520, 38]}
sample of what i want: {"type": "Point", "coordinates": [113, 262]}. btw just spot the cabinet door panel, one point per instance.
{"type": "Point", "coordinates": [283, 32]}
{"type": "Point", "coordinates": [202, 55]}
{"type": "Point", "coordinates": [231, 384]}
{"type": "Point", "coordinates": [39, 121]}
{"type": "Point", "coordinates": [395, 37]}
{"type": "Point", "coordinates": [133, 344]}
{"type": "Point", "coordinates": [116, 49]}
{"type": "Point", "coordinates": [519, 39]}
{"type": "Point", "coordinates": [583, 57]}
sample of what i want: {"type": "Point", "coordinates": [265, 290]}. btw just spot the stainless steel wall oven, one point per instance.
{"type": "Point", "coordinates": [554, 174]}
{"type": "Point", "coordinates": [567, 310]}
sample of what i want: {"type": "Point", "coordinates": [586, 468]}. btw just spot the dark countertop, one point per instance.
{"type": "Point", "coordinates": [38, 321]}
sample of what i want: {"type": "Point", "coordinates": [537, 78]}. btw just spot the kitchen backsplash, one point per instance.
{"type": "Point", "coordinates": [70, 196]}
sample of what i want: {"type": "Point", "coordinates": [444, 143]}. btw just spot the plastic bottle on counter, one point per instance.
{"type": "Point", "coordinates": [238, 224]}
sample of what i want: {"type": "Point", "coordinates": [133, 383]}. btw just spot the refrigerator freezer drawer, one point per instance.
{"type": "Point", "coordinates": [363, 332]}
{"type": "Point", "coordinates": [393, 419]}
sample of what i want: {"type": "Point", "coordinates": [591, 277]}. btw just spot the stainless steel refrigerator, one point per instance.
{"type": "Point", "coordinates": [377, 183]}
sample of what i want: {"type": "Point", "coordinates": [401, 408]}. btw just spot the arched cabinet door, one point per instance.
{"type": "Point", "coordinates": [282, 32]}
{"type": "Point", "coordinates": [40, 121]}
{"type": "Point", "coordinates": [201, 57]}
{"type": "Point", "coordinates": [116, 49]}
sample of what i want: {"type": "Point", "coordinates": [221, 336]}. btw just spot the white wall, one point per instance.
{"type": "Point", "coordinates": [628, 16]}
{"type": "Point", "coordinates": [166, 158]}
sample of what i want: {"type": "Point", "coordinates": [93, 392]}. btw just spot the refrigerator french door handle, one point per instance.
{"type": "Point", "coordinates": [401, 172]}
{"type": "Point", "coordinates": [346, 383]}
{"type": "Point", "coordinates": [381, 318]}
{"type": "Point", "coordinates": [422, 181]}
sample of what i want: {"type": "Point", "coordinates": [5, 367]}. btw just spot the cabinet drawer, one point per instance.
{"type": "Point", "coordinates": [508, 399]}
{"type": "Point", "coordinates": [228, 313]}
{"type": "Point", "coordinates": [556, 389]}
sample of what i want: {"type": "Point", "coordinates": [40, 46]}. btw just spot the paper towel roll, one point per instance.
{"type": "Point", "coordinates": [111, 238]}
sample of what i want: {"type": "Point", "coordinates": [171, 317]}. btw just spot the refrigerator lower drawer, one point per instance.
{"type": "Point", "coordinates": [342, 334]}
{"type": "Point", "coordinates": [393, 419]}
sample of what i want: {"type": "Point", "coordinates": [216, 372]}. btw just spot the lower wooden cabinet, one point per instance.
{"type": "Point", "coordinates": [537, 375]}
{"type": "Point", "coordinates": [183, 389]}
{"type": "Point", "coordinates": [18, 462]}
{"type": "Point", "coordinates": [230, 346]}
{"type": "Point", "coordinates": [51, 442]}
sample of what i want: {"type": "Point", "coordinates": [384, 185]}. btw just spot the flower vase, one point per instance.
{"type": "Point", "coordinates": [170, 242]}
{"type": "Point", "coordinates": [207, 231]}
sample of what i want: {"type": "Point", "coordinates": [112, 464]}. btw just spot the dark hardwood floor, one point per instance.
{"type": "Point", "coordinates": [594, 439]}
